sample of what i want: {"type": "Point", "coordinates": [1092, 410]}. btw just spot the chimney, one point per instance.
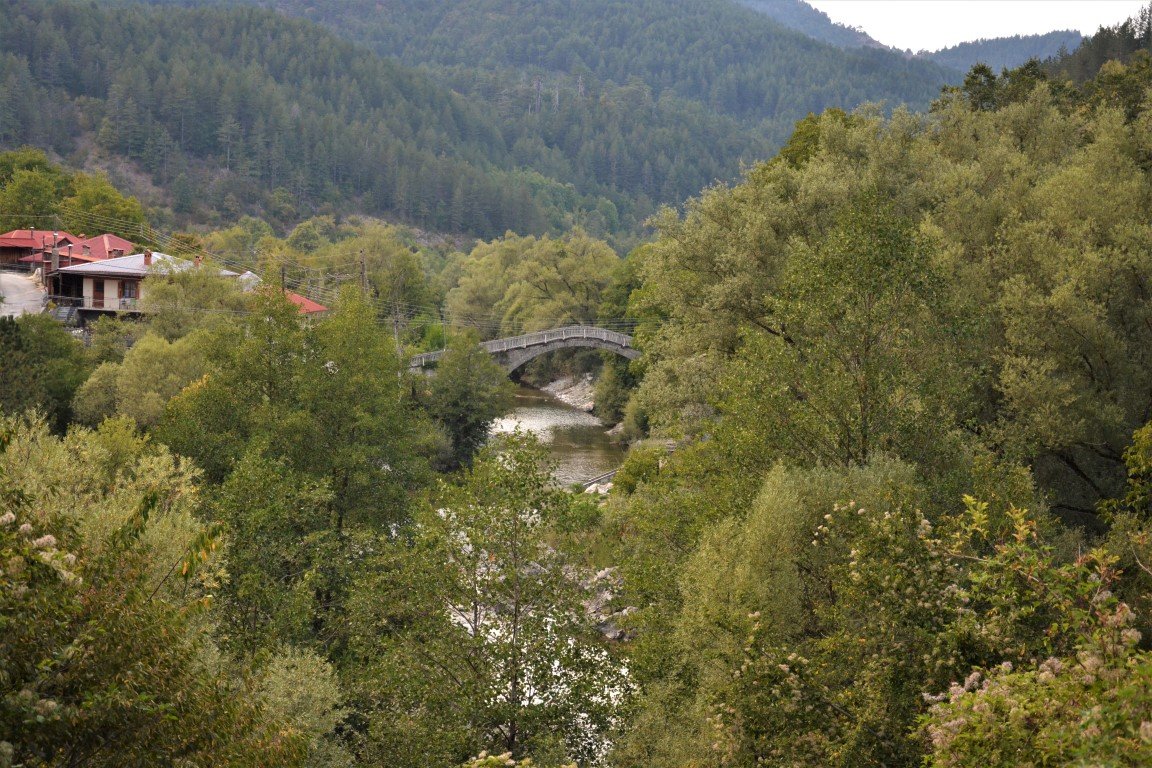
{"type": "Point", "coordinates": [87, 250]}
{"type": "Point", "coordinates": [147, 258]}
{"type": "Point", "coordinates": [69, 255]}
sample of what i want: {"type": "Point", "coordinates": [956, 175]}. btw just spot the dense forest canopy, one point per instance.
{"type": "Point", "coordinates": [894, 315]}
{"type": "Point", "coordinates": [243, 109]}
{"type": "Point", "coordinates": [729, 58]}
{"type": "Point", "coordinates": [639, 103]}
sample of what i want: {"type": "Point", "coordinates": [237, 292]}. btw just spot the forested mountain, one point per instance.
{"type": "Point", "coordinates": [728, 57]}
{"type": "Point", "coordinates": [998, 53]}
{"type": "Point", "coordinates": [802, 17]}
{"type": "Point", "coordinates": [239, 110]}
{"type": "Point", "coordinates": [231, 108]}
{"type": "Point", "coordinates": [590, 116]}
{"type": "Point", "coordinates": [642, 102]}
{"type": "Point", "coordinates": [1006, 52]}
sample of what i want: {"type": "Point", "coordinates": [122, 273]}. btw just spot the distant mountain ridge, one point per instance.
{"type": "Point", "coordinates": [1006, 52]}
{"type": "Point", "coordinates": [802, 17]}
{"type": "Point", "coordinates": [644, 101]}
{"type": "Point", "coordinates": [998, 53]}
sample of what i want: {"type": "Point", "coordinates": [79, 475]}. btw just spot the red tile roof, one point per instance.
{"type": "Point", "coordinates": [99, 248]}
{"type": "Point", "coordinates": [45, 257]}
{"type": "Point", "coordinates": [35, 238]}
{"type": "Point", "coordinates": [102, 246]}
{"type": "Point", "coordinates": [307, 306]}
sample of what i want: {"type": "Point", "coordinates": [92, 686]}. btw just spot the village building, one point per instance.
{"type": "Point", "coordinates": [115, 284]}
{"type": "Point", "coordinates": [87, 289]}
{"type": "Point", "coordinates": [84, 251]}
{"type": "Point", "coordinates": [20, 244]}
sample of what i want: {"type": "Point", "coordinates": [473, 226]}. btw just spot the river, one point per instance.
{"type": "Point", "coordinates": [575, 439]}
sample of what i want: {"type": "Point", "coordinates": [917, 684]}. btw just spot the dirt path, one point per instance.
{"type": "Point", "coordinates": [21, 294]}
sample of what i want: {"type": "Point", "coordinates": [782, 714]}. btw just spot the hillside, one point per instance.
{"type": "Point", "coordinates": [729, 58]}
{"type": "Point", "coordinates": [304, 122]}
{"type": "Point", "coordinates": [802, 17]}
{"type": "Point", "coordinates": [1006, 52]}
{"type": "Point", "coordinates": [243, 109]}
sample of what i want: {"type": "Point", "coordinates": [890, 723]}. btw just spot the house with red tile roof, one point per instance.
{"type": "Point", "coordinates": [84, 251]}
{"type": "Point", "coordinates": [24, 242]}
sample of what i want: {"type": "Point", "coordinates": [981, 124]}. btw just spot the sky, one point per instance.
{"type": "Point", "coordinates": [934, 24]}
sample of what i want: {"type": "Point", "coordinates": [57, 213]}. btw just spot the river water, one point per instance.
{"type": "Point", "coordinates": [575, 439]}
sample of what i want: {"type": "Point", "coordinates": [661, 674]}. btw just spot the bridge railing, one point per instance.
{"type": "Point", "coordinates": [557, 334]}
{"type": "Point", "coordinates": [533, 339]}
{"type": "Point", "coordinates": [423, 359]}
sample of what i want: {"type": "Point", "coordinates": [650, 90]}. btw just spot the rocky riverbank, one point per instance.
{"type": "Point", "coordinates": [578, 392]}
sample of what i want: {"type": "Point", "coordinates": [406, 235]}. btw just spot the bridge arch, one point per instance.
{"type": "Point", "coordinates": [515, 351]}
{"type": "Point", "coordinates": [514, 358]}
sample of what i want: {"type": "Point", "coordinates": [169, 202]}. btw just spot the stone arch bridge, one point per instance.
{"type": "Point", "coordinates": [515, 351]}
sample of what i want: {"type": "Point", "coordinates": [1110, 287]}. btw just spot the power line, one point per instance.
{"type": "Point", "coordinates": [383, 308]}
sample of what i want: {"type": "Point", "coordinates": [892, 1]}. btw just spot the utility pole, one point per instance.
{"type": "Point", "coordinates": [283, 279]}
{"type": "Point", "coordinates": [397, 292]}
{"type": "Point", "coordinates": [363, 277]}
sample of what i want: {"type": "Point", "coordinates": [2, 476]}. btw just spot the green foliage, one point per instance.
{"type": "Point", "coordinates": [1085, 703]}
{"type": "Point", "coordinates": [813, 630]}
{"type": "Point", "coordinates": [326, 397]}
{"type": "Point", "coordinates": [475, 633]}
{"type": "Point", "coordinates": [177, 303]}
{"type": "Point", "coordinates": [94, 199]}
{"type": "Point", "coordinates": [1116, 43]}
{"type": "Point", "coordinates": [153, 372]}
{"type": "Point", "coordinates": [530, 285]}
{"type": "Point", "coordinates": [302, 689]}
{"type": "Point", "coordinates": [29, 199]}
{"type": "Point", "coordinates": [860, 354]}
{"type": "Point", "coordinates": [110, 338]}
{"type": "Point", "coordinates": [91, 642]}
{"type": "Point", "coordinates": [640, 465]}
{"type": "Point", "coordinates": [468, 391]}
{"type": "Point", "coordinates": [279, 525]}
{"type": "Point", "coordinates": [35, 193]}
{"type": "Point", "coordinates": [1138, 459]}
{"type": "Point", "coordinates": [30, 159]}
{"type": "Point", "coordinates": [41, 366]}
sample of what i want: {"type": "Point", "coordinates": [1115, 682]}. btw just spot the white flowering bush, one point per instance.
{"type": "Point", "coordinates": [912, 640]}
{"type": "Point", "coordinates": [1080, 690]}
{"type": "Point", "coordinates": [97, 661]}
{"type": "Point", "coordinates": [848, 692]}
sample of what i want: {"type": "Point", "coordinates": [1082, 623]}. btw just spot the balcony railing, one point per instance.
{"type": "Point", "coordinates": [90, 302]}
